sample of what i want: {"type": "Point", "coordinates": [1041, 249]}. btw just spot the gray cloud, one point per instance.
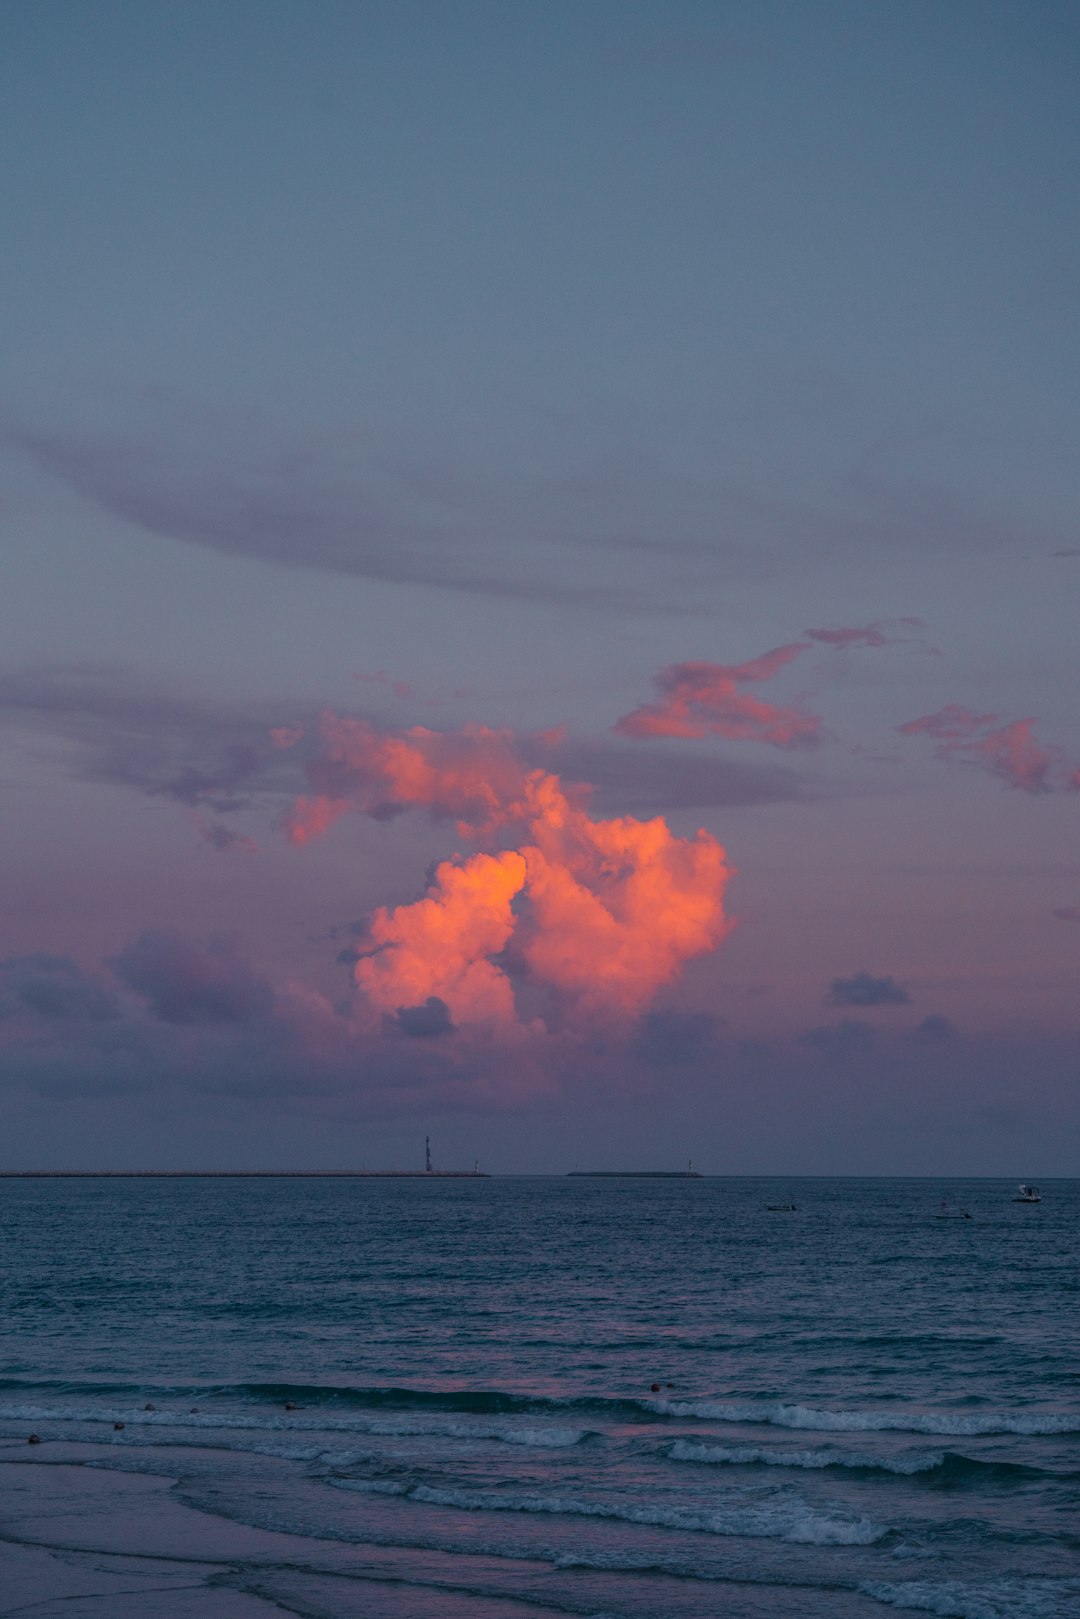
{"type": "Point", "coordinates": [201, 1020]}
{"type": "Point", "coordinates": [296, 511]}
{"type": "Point", "coordinates": [121, 728]}
{"type": "Point", "coordinates": [220, 836]}
{"type": "Point", "coordinates": [627, 529]}
{"type": "Point", "coordinates": [189, 983]}
{"type": "Point", "coordinates": [54, 988]}
{"type": "Point", "coordinates": [427, 1021]}
{"type": "Point", "coordinates": [645, 781]}
{"type": "Point", "coordinates": [864, 990]}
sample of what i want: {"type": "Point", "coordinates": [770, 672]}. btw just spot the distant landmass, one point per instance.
{"type": "Point", "coordinates": [247, 1174]}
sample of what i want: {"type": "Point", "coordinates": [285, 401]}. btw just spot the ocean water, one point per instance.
{"type": "Point", "coordinates": [862, 1409]}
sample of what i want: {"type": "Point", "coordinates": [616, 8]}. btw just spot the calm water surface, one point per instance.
{"type": "Point", "coordinates": [862, 1408]}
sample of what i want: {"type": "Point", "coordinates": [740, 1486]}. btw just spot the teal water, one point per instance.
{"type": "Point", "coordinates": [861, 1408]}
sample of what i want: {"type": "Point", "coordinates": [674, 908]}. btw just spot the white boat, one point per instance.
{"type": "Point", "coordinates": [1027, 1194]}
{"type": "Point", "coordinates": [780, 1208]}
{"type": "Point", "coordinates": [951, 1211]}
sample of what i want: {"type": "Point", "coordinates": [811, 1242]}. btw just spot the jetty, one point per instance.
{"type": "Point", "coordinates": [428, 1173]}
{"type": "Point", "coordinates": [245, 1174]}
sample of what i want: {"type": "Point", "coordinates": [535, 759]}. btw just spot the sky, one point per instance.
{"type": "Point", "coordinates": [538, 585]}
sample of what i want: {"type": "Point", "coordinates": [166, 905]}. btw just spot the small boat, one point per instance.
{"type": "Point", "coordinates": [780, 1208]}
{"type": "Point", "coordinates": [951, 1211]}
{"type": "Point", "coordinates": [1027, 1194]}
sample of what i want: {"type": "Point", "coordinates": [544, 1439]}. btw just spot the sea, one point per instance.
{"type": "Point", "coordinates": [493, 1398]}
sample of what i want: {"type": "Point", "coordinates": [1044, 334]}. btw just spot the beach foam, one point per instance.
{"type": "Point", "coordinates": [781, 1518]}
{"type": "Point", "coordinates": [508, 1433]}
{"type": "Point", "coordinates": [947, 1423]}
{"type": "Point", "coordinates": [989, 1599]}
{"type": "Point", "coordinates": [909, 1462]}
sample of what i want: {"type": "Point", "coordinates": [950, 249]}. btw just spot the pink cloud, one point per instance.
{"type": "Point", "coordinates": [472, 774]}
{"type": "Point", "coordinates": [220, 836]}
{"type": "Point", "coordinates": [440, 946]}
{"type": "Point", "coordinates": [951, 723]}
{"type": "Point", "coordinates": [1009, 751]}
{"type": "Point", "coordinates": [400, 688]}
{"type": "Point", "coordinates": [599, 914]}
{"type": "Point", "coordinates": [1013, 754]}
{"type": "Point", "coordinates": [699, 699]}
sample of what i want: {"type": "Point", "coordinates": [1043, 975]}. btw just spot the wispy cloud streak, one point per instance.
{"type": "Point", "coordinates": [711, 699]}
{"type": "Point", "coordinates": [1008, 750]}
{"type": "Point", "coordinates": [701, 699]}
{"type": "Point", "coordinates": [295, 512]}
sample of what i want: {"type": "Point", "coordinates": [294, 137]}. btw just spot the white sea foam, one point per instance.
{"type": "Point", "coordinates": [952, 1423]}
{"type": "Point", "coordinates": [981, 1599]}
{"type": "Point", "coordinates": [781, 1518]}
{"type": "Point", "coordinates": [538, 1436]}
{"type": "Point", "coordinates": [907, 1462]}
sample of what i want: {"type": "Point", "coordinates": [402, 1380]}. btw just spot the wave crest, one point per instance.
{"type": "Point", "coordinates": [955, 1424]}
{"type": "Point", "coordinates": [906, 1463]}
{"type": "Point", "coordinates": [983, 1599]}
{"type": "Point", "coordinates": [785, 1518]}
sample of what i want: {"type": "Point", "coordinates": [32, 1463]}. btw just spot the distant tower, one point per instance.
{"type": "Point", "coordinates": [427, 1154]}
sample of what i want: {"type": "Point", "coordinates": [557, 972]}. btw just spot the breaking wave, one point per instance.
{"type": "Point", "coordinates": [906, 1463]}
{"type": "Point", "coordinates": [328, 1398]}
{"type": "Point", "coordinates": [947, 1423]}
{"type": "Point", "coordinates": [982, 1599]}
{"type": "Point", "coordinates": [402, 1427]}
{"type": "Point", "coordinates": [785, 1518]}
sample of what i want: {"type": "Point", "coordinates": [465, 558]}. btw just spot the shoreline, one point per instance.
{"type": "Point", "coordinates": [79, 1540]}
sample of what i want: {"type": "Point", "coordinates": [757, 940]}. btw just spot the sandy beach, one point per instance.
{"type": "Point", "coordinates": [81, 1541]}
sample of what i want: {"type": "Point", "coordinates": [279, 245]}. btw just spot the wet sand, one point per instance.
{"type": "Point", "coordinates": [81, 1541]}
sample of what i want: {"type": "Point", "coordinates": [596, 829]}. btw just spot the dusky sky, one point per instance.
{"type": "Point", "coordinates": [441, 439]}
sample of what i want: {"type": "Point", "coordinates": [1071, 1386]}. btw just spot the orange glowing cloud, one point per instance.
{"type": "Point", "coordinates": [440, 945]}
{"type": "Point", "coordinates": [1009, 751]}
{"type": "Point", "coordinates": [469, 774]}
{"type": "Point", "coordinates": [617, 907]}
{"type": "Point", "coordinates": [600, 914]}
{"type": "Point", "coordinates": [699, 699]}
